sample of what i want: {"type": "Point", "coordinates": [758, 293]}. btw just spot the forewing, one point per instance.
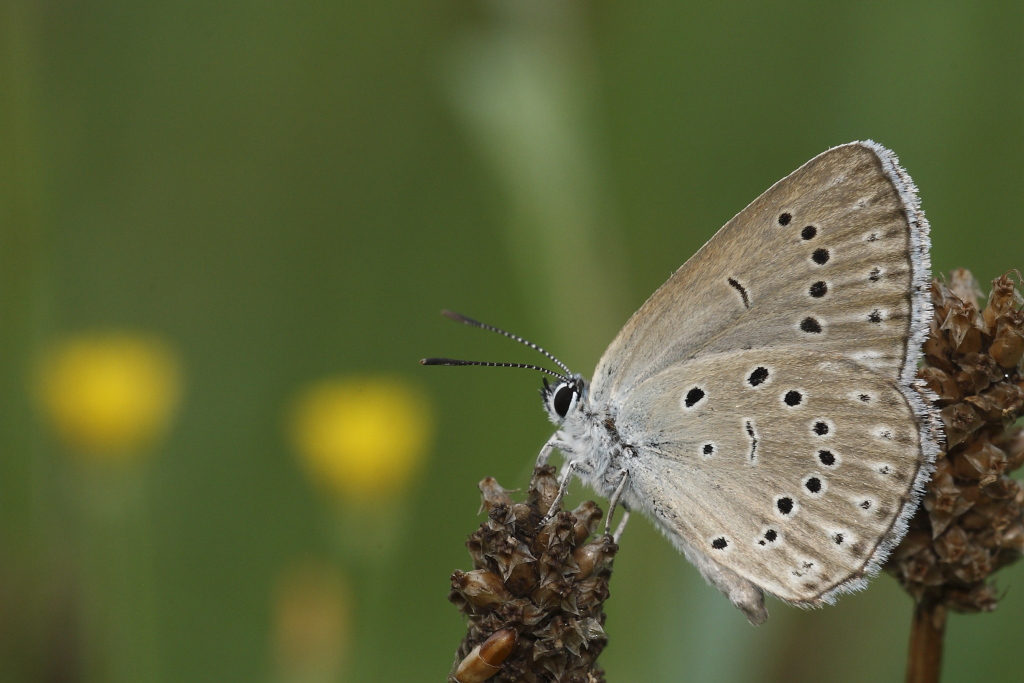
{"type": "Point", "coordinates": [797, 475]}
{"type": "Point", "coordinates": [833, 259]}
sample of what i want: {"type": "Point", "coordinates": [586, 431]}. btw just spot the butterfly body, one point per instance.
{"type": "Point", "coordinates": [762, 406]}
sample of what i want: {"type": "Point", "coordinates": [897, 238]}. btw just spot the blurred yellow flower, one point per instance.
{"type": "Point", "coordinates": [110, 395]}
{"type": "Point", "coordinates": [361, 438]}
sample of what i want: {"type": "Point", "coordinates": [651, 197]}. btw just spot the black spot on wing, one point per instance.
{"type": "Point", "coordinates": [693, 397]}
{"type": "Point", "coordinates": [811, 325]}
{"type": "Point", "coordinates": [785, 505]}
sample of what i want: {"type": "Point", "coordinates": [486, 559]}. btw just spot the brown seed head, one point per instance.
{"type": "Point", "coordinates": [537, 590]}
{"type": "Point", "coordinates": [971, 520]}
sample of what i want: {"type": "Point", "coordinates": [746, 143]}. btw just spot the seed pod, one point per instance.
{"type": "Point", "coordinates": [480, 587]}
{"type": "Point", "coordinates": [484, 660]}
{"type": "Point", "coordinates": [543, 490]}
{"type": "Point", "coordinates": [590, 556]}
{"type": "Point", "coordinates": [492, 494]}
{"type": "Point", "coordinates": [1008, 346]}
{"type": "Point", "coordinates": [587, 515]}
{"type": "Point", "coordinates": [941, 383]}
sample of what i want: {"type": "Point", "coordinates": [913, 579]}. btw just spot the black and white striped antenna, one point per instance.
{"type": "Point", "coordinates": [458, 317]}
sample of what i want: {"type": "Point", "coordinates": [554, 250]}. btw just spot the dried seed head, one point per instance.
{"type": "Point", "coordinates": [971, 520]}
{"type": "Point", "coordinates": [536, 589]}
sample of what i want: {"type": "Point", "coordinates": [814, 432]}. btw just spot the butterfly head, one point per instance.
{"type": "Point", "coordinates": [564, 397]}
{"type": "Point", "coordinates": [561, 399]}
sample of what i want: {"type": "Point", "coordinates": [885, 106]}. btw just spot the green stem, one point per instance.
{"type": "Point", "coordinates": [367, 538]}
{"type": "Point", "coordinates": [119, 605]}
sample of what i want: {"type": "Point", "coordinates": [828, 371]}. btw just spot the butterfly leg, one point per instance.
{"type": "Point", "coordinates": [567, 473]}
{"type": "Point", "coordinates": [622, 524]}
{"type": "Point", "coordinates": [614, 500]}
{"type": "Point", "coordinates": [545, 452]}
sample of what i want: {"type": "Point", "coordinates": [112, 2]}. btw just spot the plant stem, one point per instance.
{"type": "Point", "coordinates": [924, 660]}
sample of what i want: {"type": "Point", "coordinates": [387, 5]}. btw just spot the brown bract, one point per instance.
{"type": "Point", "coordinates": [534, 598]}
{"type": "Point", "coordinates": [970, 522]}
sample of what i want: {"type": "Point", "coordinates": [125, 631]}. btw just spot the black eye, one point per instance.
{"type": "Point", "coordinates": [562, 400]}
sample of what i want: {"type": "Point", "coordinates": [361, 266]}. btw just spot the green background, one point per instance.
{"type": "Point", "coordinates": [288, 191]}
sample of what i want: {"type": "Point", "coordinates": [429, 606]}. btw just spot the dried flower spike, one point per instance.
{"type": "Point", "coordinates": [535, 596]}
{"type": "Point", "coordinates": [970, 522]}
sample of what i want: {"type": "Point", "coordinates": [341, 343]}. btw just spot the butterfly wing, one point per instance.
{"type": "Point", "coordinates": [833, 258]}
{"type": "Point", "coordinates": [794, 474]}
{"type": "Point", "coordinates": [819, 287]}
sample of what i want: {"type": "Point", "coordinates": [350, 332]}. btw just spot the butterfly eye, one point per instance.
{"type": "Point", "coordinates": [563, 399]}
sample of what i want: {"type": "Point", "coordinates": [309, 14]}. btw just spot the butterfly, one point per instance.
{"type": "Point", "coordinates": [762, 408]}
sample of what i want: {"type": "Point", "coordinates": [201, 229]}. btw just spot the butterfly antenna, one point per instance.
{"type": "Point", "coordinates": [452, 361]}
{"type": "Point", "coordinates": [459, 318]}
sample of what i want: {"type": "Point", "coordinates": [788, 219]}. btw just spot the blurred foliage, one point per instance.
{"type": "Point", "coordinates": [288, 193]}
